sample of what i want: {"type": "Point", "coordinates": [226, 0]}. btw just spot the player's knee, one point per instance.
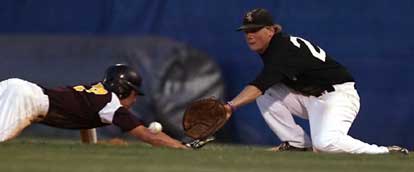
{"type": "Point", "coordinates": [319, 144]}
{"type": "Point", "coordinates": [324, 143]}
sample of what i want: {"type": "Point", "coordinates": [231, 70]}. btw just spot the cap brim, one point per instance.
{"type": "Point", "coordinates": [249, 27]}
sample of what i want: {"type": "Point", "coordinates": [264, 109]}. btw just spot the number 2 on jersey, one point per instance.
{"type": "Point", "coordinates": [321, 55]}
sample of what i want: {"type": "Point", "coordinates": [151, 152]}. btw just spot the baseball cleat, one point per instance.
{"type": "Point", "coordinates": [286, 147]}
{"type": "Point", "coordinates": [397, 149]}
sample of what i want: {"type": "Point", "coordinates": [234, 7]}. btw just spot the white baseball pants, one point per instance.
{"type": "Point", "coordinates": [330, 117]}
{"type": "Point", "coordinates": [21, 103]}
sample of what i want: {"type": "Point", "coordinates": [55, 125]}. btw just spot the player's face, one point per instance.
{"type": "Point", "coordinates": [130, 100]}
{"type": "Point", "coordinates": [258, 40]}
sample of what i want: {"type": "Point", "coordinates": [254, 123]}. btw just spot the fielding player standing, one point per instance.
{"type": "Point", "coordinates": [300, 78]}
{"type": "Point", "coordinates": [78, 107]}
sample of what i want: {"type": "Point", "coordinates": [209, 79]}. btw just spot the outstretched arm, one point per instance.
{"type": "Point", "coordinates": [246, 96]}
{"type": "Point", "coordinates": [155, 139]}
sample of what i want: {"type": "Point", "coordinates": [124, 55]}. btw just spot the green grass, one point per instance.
{"type": "Point", "coordinates": [63, 155]}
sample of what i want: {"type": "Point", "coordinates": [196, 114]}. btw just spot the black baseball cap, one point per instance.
{"type": "Point", "coordinates": [256, 19]}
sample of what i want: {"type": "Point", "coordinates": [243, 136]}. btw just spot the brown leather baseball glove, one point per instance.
{"type": "Point", "coordinates": [203, 118]}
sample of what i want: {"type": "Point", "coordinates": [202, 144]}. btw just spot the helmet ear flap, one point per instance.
{"type": "Point", "coordinates": [123, 90]}
{"type": "Point", "coordinates": [118, 87]}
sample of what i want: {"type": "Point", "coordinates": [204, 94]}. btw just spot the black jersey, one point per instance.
{"type": "Point", "coordinates": [85, 107]}
{"type": "Point", "coordinates": [300, 65]}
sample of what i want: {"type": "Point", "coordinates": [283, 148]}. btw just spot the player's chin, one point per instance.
{"type": "Point", "coordinates": [254, 47]}
{"type": "Point", "coordinates": [127, 106]}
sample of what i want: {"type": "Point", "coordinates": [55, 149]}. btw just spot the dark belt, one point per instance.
{"type": "Point", "coordinates": [330, 89]}
{"type": "Point", "coordinates": [326, 89]}
{"type": "Point", "coordinates": [318, 91]}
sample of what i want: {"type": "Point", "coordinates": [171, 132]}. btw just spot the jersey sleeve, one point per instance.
{"type": "Point", "coordinates": [125, 120]}
{"type": "Point", "coordinates": [115, 113]}
{"type": "Point", "coordinates": [267, 78]}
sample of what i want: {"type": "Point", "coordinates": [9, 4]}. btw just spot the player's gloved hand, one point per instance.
{"type": "Point", "coordinates": [198, 143]}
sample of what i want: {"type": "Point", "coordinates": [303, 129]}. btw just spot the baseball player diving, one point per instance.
{"type": "Point", "coordinates": [78, 107]}
{"type": "Point", "coordinates": [300, 78]}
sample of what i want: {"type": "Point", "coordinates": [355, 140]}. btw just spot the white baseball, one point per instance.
{"type": "Point", "coordinates": [155, 127]}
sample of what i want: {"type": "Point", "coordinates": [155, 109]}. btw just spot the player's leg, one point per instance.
{"type": "Point", "coordinates": [88, 136]}
{"type": "Point", "coordinates": [21, 103]}
{"type": "Point", "coordinates": [331, 116]}
{"type": "Point", "coordinates": [279, 117]}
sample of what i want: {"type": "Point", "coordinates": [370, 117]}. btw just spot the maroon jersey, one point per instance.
{"type": "Point", "coordinates": [85, 107]}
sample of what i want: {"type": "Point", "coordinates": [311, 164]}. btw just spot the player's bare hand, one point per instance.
{"type": "Point", "coordinates": [229, 111]}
